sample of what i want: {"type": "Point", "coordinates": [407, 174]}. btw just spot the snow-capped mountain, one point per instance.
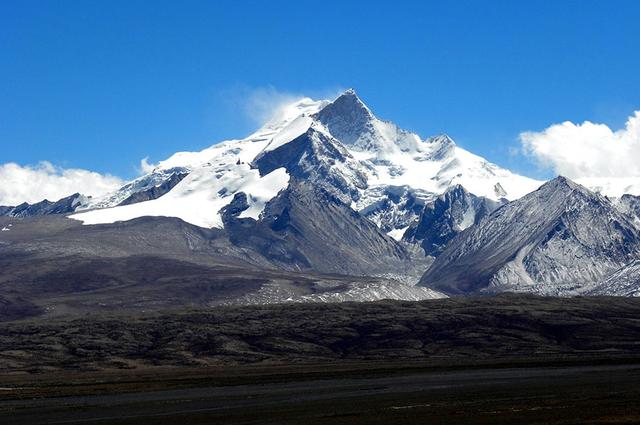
{"type": "Point", "coordinates": [561, 239]}
{"type": "Point", "coordinates": [327, 187]}
{"type": "Point", "coordinates": [386, 173]}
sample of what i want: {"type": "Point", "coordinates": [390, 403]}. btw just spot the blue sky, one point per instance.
{"type": "Point", "coordinates": [99, 85]}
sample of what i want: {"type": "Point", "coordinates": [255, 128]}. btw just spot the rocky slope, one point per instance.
{"type": "Point", "coordinates": [60, 267]}
{"type": "Point", "coordinates": [307, 227]}
{"type": "Point", "coordinates": [624, 282]}
{"type": "Point", "coordinates": [561, 239]}
{"type": "Point", "coordinates": [630, 206]}
{"type": "Point", "coordinates": [45, 207]}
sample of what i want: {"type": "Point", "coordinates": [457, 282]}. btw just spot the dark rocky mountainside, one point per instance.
{"type": "Point", "coordinates": [45, 207]}
{"type": "Point", "coordinates": [307, 227]}
{"type": "Point", "coordinates": [317, 158]}
{"type": "Point", "coordinates": [445, 217]}
{"type": "Point", "coordinates": [630, 205]}
{"type": "Point", "coordinates": [62, 267]}
{"type": "Point", "coordinates": [154, 192]}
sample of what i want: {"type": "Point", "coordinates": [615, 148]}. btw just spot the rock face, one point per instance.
{"type": "Point", "coordinates": [62, 206]}
{"type": "Point", "coordinates": [630, 205]}
{"type": "Point", "coordinates": [349, 120]}
{"type": "Point", "coordinates": [316, 157]}
{"type": "Point", "coordinates": [445, 217]}
{"type": "Point", "coordinates": [154, 192]}
{"type": "Point", "coordinates": [148, 187]}
{"type": "Point", "coordinates": [308, 227]}
{"type": "Point", "coordinates": [624, 282]}
{"type": "Point", "coordinates": [395, 208]}
{"type": "Point", "coordinates": [140, 190]}
{"type": "Point", "coordinates": [561, 239]}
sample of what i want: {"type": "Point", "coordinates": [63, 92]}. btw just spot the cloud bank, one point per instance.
{"type": "Point", "coordinates": [587, 150]}
{"type": "Point", "coordinates": [33, 183]}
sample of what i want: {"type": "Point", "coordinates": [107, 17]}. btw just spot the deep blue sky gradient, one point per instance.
{"type": "Point", "coordinates": [102, 84]}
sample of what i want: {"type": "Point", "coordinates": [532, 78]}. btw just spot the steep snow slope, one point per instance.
{"type": "Point", "coordinates": [403, 172]}
{"type": "Point", "coordinates": [245, 150]}
{"type": "Point", "coordinates": [398, 158]}
{"type": "Point", "coordinates": [561, 239]}
{"type": "Point", "coordinates": [200, 196]}
{"type": "Point", "coordinates": [214, 175]}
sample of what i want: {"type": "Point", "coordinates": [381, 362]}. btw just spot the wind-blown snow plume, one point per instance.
{"type": "Point", "coordinates": [33, 183]}
{"type": "Point", "coordinates": [269, 104]}
{"type": "Point", "coordinates": [264, 104]}
{"type": "Point", "coordinates": [587, 150]}
{"type": "Point", "coordinates": [146, 167]}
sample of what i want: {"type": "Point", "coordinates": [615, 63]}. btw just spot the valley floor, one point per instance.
{"type": "Point", "coordinates": [503, 359]}
{"type": "Point", "coordinates": [563, 393]}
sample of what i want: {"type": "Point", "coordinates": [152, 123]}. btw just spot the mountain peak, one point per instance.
{"type": "Point", "coordinates": [456, 188]}
{"type": "Point", "coordinates": [441, 146]}
{"type": "Point", "coordinates": [347, 117]}
{"type": "Point", "coordinates": [349, 101]}
{"type": "Point", "coordinates": [442, 139]}
{"type": "Point", "coordinates": [562, 183]}
{"type": "Point", "coordinates": [349, 92]}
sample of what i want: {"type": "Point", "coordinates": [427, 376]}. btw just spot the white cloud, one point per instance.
{"type": "Point", "coordinates": [587, 150]}
{"type": "Point", "coordinates": [33, 183]}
